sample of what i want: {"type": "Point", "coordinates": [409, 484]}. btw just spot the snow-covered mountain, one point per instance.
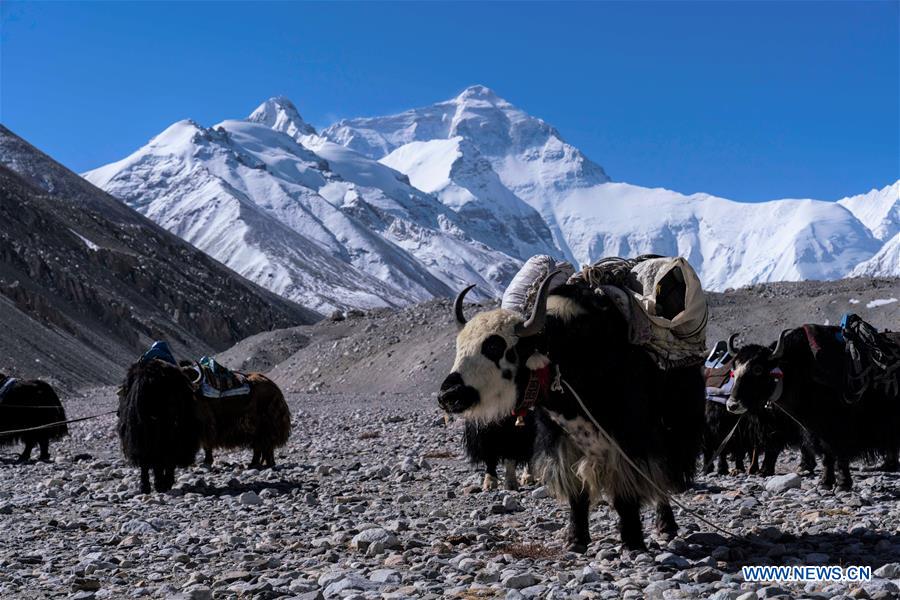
{"type": "Point", "coordinates": [390, 210]}
{"type": "Point", "coordinates": [885, 262]}
{"type": "Point", "coordinates": [730, 243]}
{"type": "Point", "coordinates": [326, 227]}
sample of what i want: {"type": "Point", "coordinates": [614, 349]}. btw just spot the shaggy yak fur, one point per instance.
{"type": "Point", "coordinates": [810, 391]}
{"type": "Point", "coordinates": [27, 404]}
{"type": "Point", "coordinates": [163, 422]}
{"type": "Point", "coordinates": [655, 415]}
{"type": "Point", "coordinates": [502, 441]}
{"type": "Point", "coordinates": [260, 421]}
{"type": "Point", "coordinates": [159, 422]}
{"type": "Point", "coordinates": [756, 435]}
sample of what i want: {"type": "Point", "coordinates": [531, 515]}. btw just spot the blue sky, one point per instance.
{"type": "Point", "coordinates": [748, 100]}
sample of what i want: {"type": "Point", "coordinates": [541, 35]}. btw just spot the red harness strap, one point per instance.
{"type": "Point", "coordinates": [538, 385]}
{"type": "Point", "coordinates": [813, 344]}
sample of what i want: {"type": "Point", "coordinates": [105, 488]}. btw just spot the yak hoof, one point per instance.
{"type": "Point", "coordinates": [577, 547]}
{"type": "Point", "coordinates": [527, 479]}
{"type": "Point", "coordinates": [489, 483]}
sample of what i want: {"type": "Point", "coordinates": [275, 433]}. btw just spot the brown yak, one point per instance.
{"type": "Point", "coordinates": [259, 420]}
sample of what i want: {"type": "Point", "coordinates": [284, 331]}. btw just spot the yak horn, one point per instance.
{"type": "Point", "coordinates": [535, 322]}
{"type": "Point", "coordinates": [779, 347]}
{"type": "Point", "coordinates": [458, 307]}
{"type": "Point", "coordinates": [732, 349]}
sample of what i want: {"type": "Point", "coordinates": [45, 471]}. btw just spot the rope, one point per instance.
{"type": "Point", "coordinates": [640, 472]}
{"type": "Point", "coordinates": [49, 425]}
{"type": "Point", "coordinates": [31, 406]}
{"type": "Point", "coordinates": [724, 442]}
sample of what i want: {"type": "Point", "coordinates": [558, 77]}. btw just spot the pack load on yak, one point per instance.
{"type": "Point", "coordinates": [660, 297]}
{"type": "Point", "coordinates": [214, 380]}
{"type": "Point", "coordinates": [717, 371]}
{"type": "Point", "coordinates": [872, 359]}
{"type": "Point", "coordinates": [159, 350]}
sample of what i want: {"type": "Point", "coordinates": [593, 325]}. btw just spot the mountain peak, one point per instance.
{"type": "Point", "coordinates": [480, 92]}
{"type": "Point", "coordinates": [279, 113]}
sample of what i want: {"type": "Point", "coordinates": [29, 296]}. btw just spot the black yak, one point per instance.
{"type": "Point", "coordinates": [803, 378]}
{"type": "Point", "coordinates": [29, 404]}
{"type": "Point", "coordinates": [159, 421]}
{"type": "Point", "coordinates": [655, 416]}
{"type": "Point", "coordinates": [504, 441]}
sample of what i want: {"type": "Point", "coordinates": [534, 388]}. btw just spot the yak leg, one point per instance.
{"type": "Point", "coordinates": [256, 461]}
{"type": "Point", "coordinates": [578, 536]}
{"type": "Point", "coordinates": [707, 461]}
{"type": "Point", "coordinates": [665, 520]}
{"type": "Point", "coordinates": [722, 467]}
{"type": "Point", "coordinates": [753, 469]}
{"type": "Point", "coordinates": [490, 474]}
{"type": "Point", "coordinates": [768, 466]}
{"type": "Point", "coordinates": [269, 458]}
{"type": "Point", "coordinates": [528, 474]}
{"type": "Point", "coordinates": [509, 473]}
{"type": "Point", "coordinates": [145, 480]}
{"type": "Point", "coordinates": [159, 479]}
{"type": "Point", "coordinates": [630, 529]}
{"type": "Point", "coordinates": [807, 460]}
{"type": "Point", "coordinates": [26, 453]}
{"type": "Point", "coordinates": [45, 449]}
{"type": "Point", "coordinates": [890, 463]}
{"type": "Point", "coordinates": [738, 462]}
{"type": "Point", "coordinates": [844, 480]}
{"type": "Point", "coordinates": [827, 480]}
{"type": "Point", "coordinates": [207, 456]}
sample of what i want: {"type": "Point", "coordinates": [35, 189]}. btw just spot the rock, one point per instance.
{"type": "Point", "coordinates": [198, 593]}
{"type": "Point", "coordinates": [780, 483]}
{"type": "Point", "coordinates": [385, 576]}
{"type": "Point", "coordinates": [250, 498]}
{"type": "Point", "coordinates": [540, 492]}
{"type": "Point", "coordinates": [363, 539]}
{"type": "Point", "coordinates": [888, 571]}
{"type": "Point", "coordinates": [519, 580]}
{"type": "Point", "coordinates": [510, 504]}
{"type": "Point", "coordinates": [672, 560]}
{"type": "Point", "coordinates": [136, 526]}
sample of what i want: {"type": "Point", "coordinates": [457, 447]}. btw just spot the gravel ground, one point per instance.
{"type": "Point", "coordinates": [372, 499]}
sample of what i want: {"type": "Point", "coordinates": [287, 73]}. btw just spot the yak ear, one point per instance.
{"type": "Point", "coordinates": [537, 361]}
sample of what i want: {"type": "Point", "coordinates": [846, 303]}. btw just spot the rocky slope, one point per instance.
{"type": "Point", "coordinates": [411, 350]}
{"type": "Point", "coordinates": [87, 283]}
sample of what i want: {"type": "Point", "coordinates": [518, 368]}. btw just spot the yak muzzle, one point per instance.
{"type": "Point", "coordinates": [735, 407]}
{"type": "Point", "coordinates": [456, 396]}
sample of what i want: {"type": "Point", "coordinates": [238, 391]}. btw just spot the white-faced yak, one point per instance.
{"type": "Point", "coordinates": [30, 404]}
{"type": "Point", "coordinates": [159, 421]}
{"type": "Point", "coordinates": [655, 416]}
{"type": "Point", "coordinates": [803, 379]}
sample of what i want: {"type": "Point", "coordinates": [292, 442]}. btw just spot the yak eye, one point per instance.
{"type": "Point", "coordinates": [511, 355]}
{"type": "Point", "coordinates": [757, 370]}
{"type": "Point", "coordinates": [493, 348]}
